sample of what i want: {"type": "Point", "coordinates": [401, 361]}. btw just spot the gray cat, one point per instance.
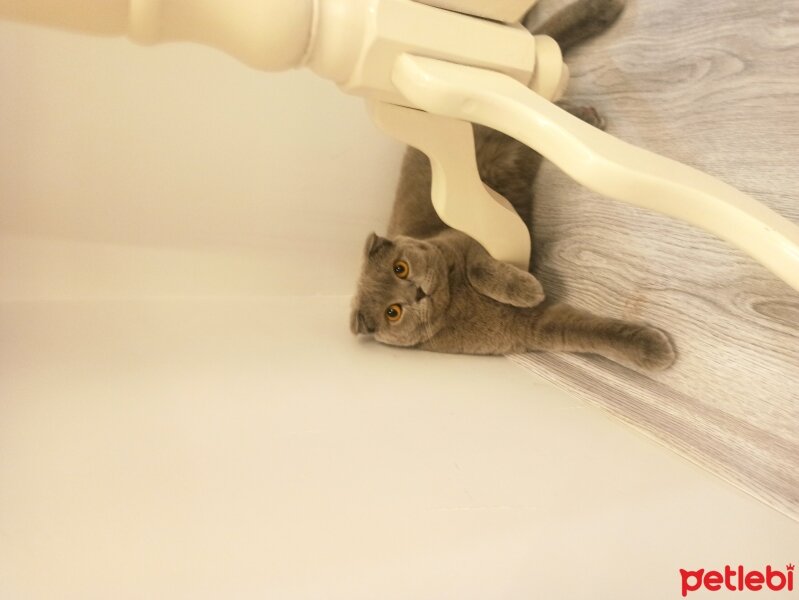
{"type": "Point", "coordinates": [431, 287]}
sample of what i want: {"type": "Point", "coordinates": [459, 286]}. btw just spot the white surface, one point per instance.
{"type": "Point", "coordinates": [272, 35]}
{"type": "Point", "coordinates": [178, 147]}
{"type": "Point", "coordinates": [184, 414]}
{"type": "Point", "coordinates": [252, 448]}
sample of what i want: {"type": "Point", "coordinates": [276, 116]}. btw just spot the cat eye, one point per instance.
{"type": "Point", "coordinates": [394, 312]}
{"type": "Point", "coordinates": [401, 269]}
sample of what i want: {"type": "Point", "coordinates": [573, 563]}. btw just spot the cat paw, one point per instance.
{"type": "Point", "coordinates": [591, 116]}
{"type": "Point", "coordinates": [524, 291]}
{"type": "Point", "coordinates": [655, 350]}
{"type": "Point", "coordinates": [607, 11]}
{"type": "Point", "coordinates": [529, 298]}
{"type": "Point", "coordinates": [501, 281]}
{"type": "Point", "coordinates": [585, 113]}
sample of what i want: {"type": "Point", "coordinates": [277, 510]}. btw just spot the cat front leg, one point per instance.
{"type": "Point", "coordinates": [562, 328]}
{"type": "Point", "coordinates": [501, 281]}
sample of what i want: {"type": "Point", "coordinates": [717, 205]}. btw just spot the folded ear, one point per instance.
{"type": "Point", "coordinates": [358, 324]}
{"type": "Point", "coordinates": [374, 243]}
{"type": "Point", "coordinates": [355, 321]}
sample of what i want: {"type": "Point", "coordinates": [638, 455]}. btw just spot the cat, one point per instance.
{"type": "Point", "coordinates": [428, 286]}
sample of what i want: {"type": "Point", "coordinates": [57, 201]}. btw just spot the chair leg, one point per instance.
{"type": "Point", "coordinates": [459, 196]}
{"type": "Point", "coordinates": [600, 161]}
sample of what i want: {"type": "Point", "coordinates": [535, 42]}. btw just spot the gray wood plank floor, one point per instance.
{"type": "Point", "coordinates": [714, 85]}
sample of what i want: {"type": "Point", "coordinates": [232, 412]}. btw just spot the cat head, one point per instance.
{"type": "Point", "coordinates": [403, 291]}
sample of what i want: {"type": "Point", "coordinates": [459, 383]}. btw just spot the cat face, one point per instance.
{"type": "Point", "coordinates": [403, 291]}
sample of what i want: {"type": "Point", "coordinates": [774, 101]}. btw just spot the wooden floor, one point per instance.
{"type": "Point", "coordinates": [714, 85]}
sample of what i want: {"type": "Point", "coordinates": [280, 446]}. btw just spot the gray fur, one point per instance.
{"type": "Point", "coordinates": [454, 297]}
{"type": "Point", "coordinates": [578, 21]}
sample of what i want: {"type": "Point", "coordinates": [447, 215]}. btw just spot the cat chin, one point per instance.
{"type": "Point", "coordinates": [393, 342]}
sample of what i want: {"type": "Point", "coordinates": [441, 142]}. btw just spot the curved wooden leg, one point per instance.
{"type": "Point", "coordinates": [601, 162]}
{"type": "Point", "coordinates": [460, 198]}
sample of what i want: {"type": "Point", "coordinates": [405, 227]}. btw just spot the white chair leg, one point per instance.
{"type": "Point", "coordinates": [601, 162]}
{"type": "Point", "coordinates": [507, 11]}
{"type": "Point", "coordinates": [375, 63]}
{"type": "Point", "coordinates": [459, 196]}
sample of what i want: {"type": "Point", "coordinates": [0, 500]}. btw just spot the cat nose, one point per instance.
{"type": "Point", "coordinates": [420, 294]}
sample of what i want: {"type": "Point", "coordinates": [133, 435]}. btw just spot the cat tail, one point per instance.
{"type": "Point", "coordinates": [577, 21]}
{"type": "Point", "coordinates": [563, 328]}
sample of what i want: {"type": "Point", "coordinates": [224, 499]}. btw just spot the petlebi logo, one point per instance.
{"type": "Point", "coordinates": [738, 579]}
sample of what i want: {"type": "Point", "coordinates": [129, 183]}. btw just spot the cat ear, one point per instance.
{"type": "Point", "coordinates": [354, 321]}
{"type": "Point", "coordinates": [358, 324]}
{"type": "Point", "coordinates": [374, 242]}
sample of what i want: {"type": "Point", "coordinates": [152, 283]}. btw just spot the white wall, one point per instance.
{"type": "Point", "coordinates": [194, 173]}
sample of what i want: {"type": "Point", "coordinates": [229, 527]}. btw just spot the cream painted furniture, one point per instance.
{"type": "Point", "coordinates": [462, 67]}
